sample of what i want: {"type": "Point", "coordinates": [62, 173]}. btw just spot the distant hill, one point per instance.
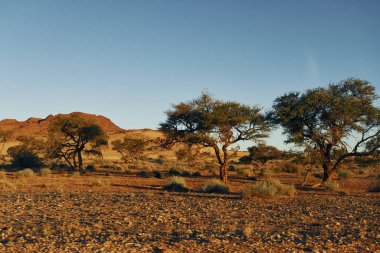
{"type": "Point", "coordinates": [38, 127]}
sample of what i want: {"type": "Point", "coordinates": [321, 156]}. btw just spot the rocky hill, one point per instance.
{"type": "Point", "coordinates": [39, 127]}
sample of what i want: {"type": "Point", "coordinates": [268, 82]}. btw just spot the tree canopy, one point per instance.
{"type": "Point", "coordinates": [70, 136]}
{"type": "Point", "coordinates": [341, 120]}
{"type": "Point", "coordinates": [214, 123]}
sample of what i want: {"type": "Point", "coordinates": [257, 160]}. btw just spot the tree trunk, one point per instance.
{"type": "Point", "coordinates": [327, 171]}
{"type": "Point", "coordinates": [80, 162]}
{"type": "Point", "coordinates": [223, 172]}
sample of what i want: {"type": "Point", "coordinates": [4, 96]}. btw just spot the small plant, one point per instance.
{"type": "Point", "coordinates": [45, 172]}
{"type": "Point", "coordinates": [215, 186]}
{"type": "Point", "coordinates": [269, 189]}
{"type": "Point", "coordinates": [90, 168]}
{"type": "Point", "coordinates": [177, 184]}
{"type": "Point", "coordinates": [332, 186]}
{"type": "Point", "coordinates": [99, 182]}
{"type": "Point", "coordinates": [25, 173]}
{"type": "Point", "coordinates": [342, 174]}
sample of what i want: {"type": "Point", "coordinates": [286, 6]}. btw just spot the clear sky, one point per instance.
{"type": "Point", "coordinates": [129, 60]}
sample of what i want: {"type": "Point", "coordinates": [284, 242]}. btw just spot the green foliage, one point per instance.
{"type": "Point", "coordinates": [262, 153]}
{"type": "Point", "coordinates": [215, 186]}
{"type": "Point", "coordinates": [177, 184]}
{"type": "Point", "coordinates": [23, 157]}
{"type": "Point", "coordinates": [71, 137]}
{"type": "Point", "coordinates": [325, 118]}
{"type": "Point", "coordinates": [268, 189]}
{"type": "Point", "coordinates": [131, 149]}
{"type": "Point", "coordinates": [214, 123]}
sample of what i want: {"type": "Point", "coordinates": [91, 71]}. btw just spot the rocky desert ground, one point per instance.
{"type": "Point", "coordinates": [102, 212]}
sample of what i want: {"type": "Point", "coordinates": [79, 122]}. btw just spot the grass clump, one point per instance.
{"type": "Point", "coordinates": [343, 174]}
{"type": "Point", "coordinates": [176, 184]}
{"type": "Point", "coordinates": [25, 173]}
{"type": "Point", "coordinates": [269, 189]}
{"type": "Point", "coordinates": [331, 186]}
{"type": "Point", "coordinates": [215, 186]}
{"type": "Point", "coordinates": [45, 172]}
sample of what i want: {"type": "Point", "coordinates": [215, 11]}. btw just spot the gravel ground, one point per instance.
{"type": "Point", "coordinates": [96, 221]}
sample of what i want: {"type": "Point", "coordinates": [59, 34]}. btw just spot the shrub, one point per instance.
{"type": "Point", "coordinates": [215, 186]}
{"type": "Point", "coordinates": [90, 168]}
{"type": "Point", "coordinates": [185, 174]}
{"type": "Point", "coordinates": [318, 175]}
{"type": "Point", "coordinates": [157, 174]}
{"type": "Point", "coordinates": [343, 174]}
{"type": "Point", "coordinates": [45, 172]}
{"type": "Point", "coordinates": [331, 186]}
{"type": "Point", "coordinates": [287, 166]}
{"type": "Point", "coordinates": [25, 173]}
{"type": "Point", "coordinates": [24, 158]}
{"type": "Point", "coordinates": [145, 174]}
{"type": "Point", "coordinates": [174, 172]}
{"type": "Point", "coordinates": [197, 174]}
{"type": "Point", "coordinates": [375, 187]}
{"type": "Point", "coordinates": [177, 184]}
{"type": "Point", "coordinates": [269, 189]}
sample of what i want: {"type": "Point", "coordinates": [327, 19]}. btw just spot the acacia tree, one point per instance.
{"type": "Point", "coordinates": [214, 123]}
{"type": "Point", "coordinates": [71, 136]}
{"type": "Point", "coordinates": [340, 120]}
{"type": "Point", "coordinates": [130, 149]}
{"type": "Point", "coordinates": [263, 153]}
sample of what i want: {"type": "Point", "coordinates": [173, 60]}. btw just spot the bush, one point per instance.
{"type": "Point", "coordinates": [331, 186]}
{"type": "Point", "coordinates": [45, 172]}
{"type": "Point", "coordinates": [375, 187]}
{"type": "Point", "coordinates": [177, 184]}
{"type": "Point", "coordinates": [197, 174]}
{"type": "Point", "coordinates": [174, 172]}
{"type": "Point", "coordinates": [318, 175]}
{"type": "Point", "coordinates": [25, 173]}
{"type": "Point", "coordinates": [24, 158]}
{"type": "Point", "coordinates": [185, 174]}
{"type": "Point", "coordinates": [343, 174]}
{"type": "Point", "coordinates": [157, 174]}
{"type": "Point", "coordinates": [144, 174]}
{"type": "Point", "coordinates": [215, 186]}
{"type": "Point", "coordinates": [269, 189]}
{"type": "Point", "coordinates": [287, 166]}
{"type": "Point", "coordinates": [90, 168]}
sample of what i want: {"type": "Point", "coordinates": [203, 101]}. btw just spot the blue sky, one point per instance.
{"type": "Point", "coordinates": [129, 60]}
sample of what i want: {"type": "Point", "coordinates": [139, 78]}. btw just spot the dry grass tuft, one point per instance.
{"type": "Point", "coordinates": [25, 173]}
{"type": "Point", "coordinates": [45, 172]}
{"type": "Point", "coordinates": [215, 186]}
{"type": "Point", "coordinates": [177, 184]}
{"type": "Point", "coordinates": [269, 189]}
